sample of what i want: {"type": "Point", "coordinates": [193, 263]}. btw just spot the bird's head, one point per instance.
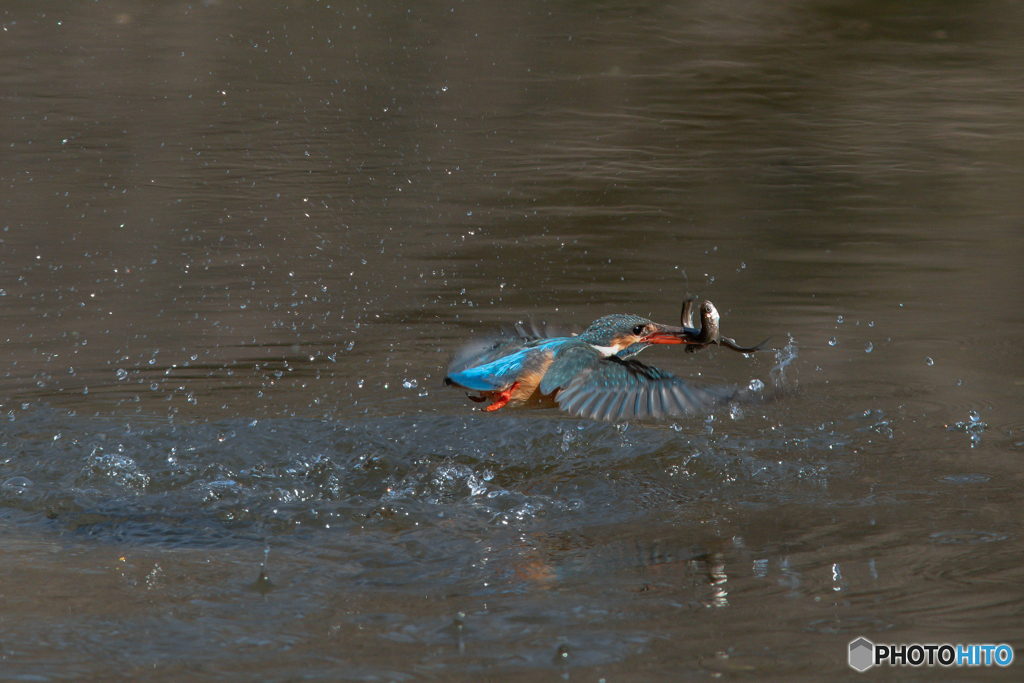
{"type": "Point", "coordinates": [613, 333]}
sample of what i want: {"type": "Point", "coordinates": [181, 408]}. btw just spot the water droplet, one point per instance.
{"type": "Point", "coordinates": [928, 360]}
{"type": "Point", "coordinates": [17, 484]}
{"type": "Point", "coordinates": [567, 440]}
{"type": "Point", "coordinates": [869, 347]}
{"type": "Point", "coordinates": [410, 384]}
{"type": "Point", "coordinates": [839, 320]}
{"type": "Point", "coordinates": [359, 383]}
{"type": "Point", "coordinates": [350, 346]}
{"type": "Point", "coordinates": [833, 341]}
{"type": "Point", "coordinates": [755, 385]}
{"type": "Point", "coordinates": [122, 373]}
{"type": "Point", "coordinates": [974, 416]}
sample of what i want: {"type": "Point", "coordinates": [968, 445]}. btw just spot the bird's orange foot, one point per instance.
{"type": "Point", "coordinates": [500, 398]}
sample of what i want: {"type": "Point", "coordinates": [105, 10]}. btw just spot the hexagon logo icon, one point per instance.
{"type": "Point", "coordinates": [862, 654]}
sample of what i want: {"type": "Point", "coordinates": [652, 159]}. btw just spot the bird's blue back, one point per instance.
{"type": "Point", "coordinates": [500, 373]}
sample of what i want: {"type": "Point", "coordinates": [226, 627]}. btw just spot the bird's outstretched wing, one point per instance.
{"type": "Point", "coordinates": [509, 340]}
{"type": "Point", "coordinates": [532, 330]}
{"type": "Point", "coordinates": [612, 389]}
{"type": "Point", "coordinates": [481, 352]}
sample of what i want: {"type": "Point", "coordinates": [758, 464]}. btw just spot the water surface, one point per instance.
{"type": "Point", "coordinates": [239, 247]}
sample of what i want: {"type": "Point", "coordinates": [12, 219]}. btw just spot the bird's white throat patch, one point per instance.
{"type": "Point", "coordinates": [607, 350]}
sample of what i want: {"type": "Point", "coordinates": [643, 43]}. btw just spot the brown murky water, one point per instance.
{"type": "Point", "coordinates": [239, 243]}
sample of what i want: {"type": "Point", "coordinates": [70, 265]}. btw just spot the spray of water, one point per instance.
{"type": "Point", "coordinates": [783, 357]}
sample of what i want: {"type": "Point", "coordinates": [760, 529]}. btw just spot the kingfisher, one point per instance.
{"type": "Point", "coordinates": [592, 374]}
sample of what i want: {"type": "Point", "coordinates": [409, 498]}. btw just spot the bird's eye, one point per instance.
{"type": "Point", "coordinates": [638, 330]}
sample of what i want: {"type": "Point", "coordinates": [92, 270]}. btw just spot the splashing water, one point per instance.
{"type": "Point", "coordinates": [783, 357]}
{"type": "Point", "coordinates": [972, 426]}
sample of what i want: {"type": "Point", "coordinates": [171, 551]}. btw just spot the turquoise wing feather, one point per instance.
{"type": "Point", "coordinates": [497, 375]}
{"type": "Point", "coordinates": [495, 366]}
{"type": "Point", "coordinates": [614, 389]}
